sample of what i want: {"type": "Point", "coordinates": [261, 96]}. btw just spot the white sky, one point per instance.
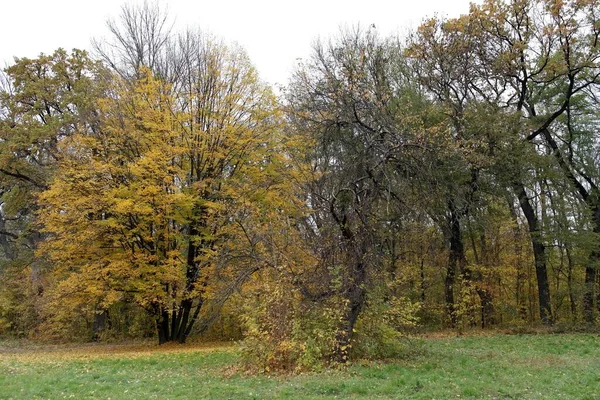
{"type": "Point", "coordinates": [275, 33]}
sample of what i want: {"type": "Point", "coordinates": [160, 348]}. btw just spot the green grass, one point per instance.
{"type": "Point", "coordinates": [496, 367]}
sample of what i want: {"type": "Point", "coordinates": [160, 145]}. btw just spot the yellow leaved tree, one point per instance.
{"type": "Point", "coordinates": [140, 211]}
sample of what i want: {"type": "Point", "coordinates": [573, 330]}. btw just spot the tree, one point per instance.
{"type": "Point", "coordinates": [42, 102]}
{"type": "Point", "coordinates": [144, 205]}
{"type": "Point", "coordinates": [353, 101]}
{"type": "Point", "coordinates": [441, 55]}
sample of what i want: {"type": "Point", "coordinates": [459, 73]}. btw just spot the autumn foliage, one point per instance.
{"type": "Point", "coordinates": [447, 180]}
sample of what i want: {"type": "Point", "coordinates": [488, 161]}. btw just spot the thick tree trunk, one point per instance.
{"type": "Point", "coordinates": [539, 254]}
{"type": "Point", "coordinates": [356, 246]}
{"type": "Point", "coordinates": [176, 325]}
{"type": "Point", "coordinates": [356, 296]}
{"type": "Point", "coordinates": [180, 325]}
{"type": "Point", "coordinates": [184, 315]}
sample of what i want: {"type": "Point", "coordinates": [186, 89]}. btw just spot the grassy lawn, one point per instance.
{"type": "Point", "coordinates": [497, 367]}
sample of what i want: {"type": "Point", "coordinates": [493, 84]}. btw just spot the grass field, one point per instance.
{"type": "Point", "coordinates": [496, 367]}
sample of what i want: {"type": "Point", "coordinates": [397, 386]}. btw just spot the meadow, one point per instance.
{"type": "Point", "coordinates": [550, 366]}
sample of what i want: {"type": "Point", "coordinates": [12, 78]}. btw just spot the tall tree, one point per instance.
{"type": "Point", "coordinates": [355, 104]}
{"type": "Point", "coordinates": [441, 54]}
{"type": "Point", "coordinates": [227, 111]}
{"type": "Point", "coordinates": [156, 190]}
{"type": "Point", "coordinates": [43, 101]}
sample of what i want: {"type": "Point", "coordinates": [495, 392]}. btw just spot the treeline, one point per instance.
{"type": "Point", "coordinates": [448, 179]}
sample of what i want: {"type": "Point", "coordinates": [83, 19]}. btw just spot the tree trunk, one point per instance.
{"type": "Point", "coordinates": [485, 296]}
{"type": "Point", "coordinates": [355, 295]}
{"type": "Point", "coordinates": [539, 254]}
{"type": "Point", "coordinates": [182, 325]}
{"type": "Point", "coordinates": [101, 320]}
{"type": "Point", "coordinates": [456, 262]}
{"type": "Point", "coordinates": [356, 245]}
{"type": "Point", "coordinates": [449, 292]}
{"type": "Point", "coordinates": [487, 308]}
{"type": "Point", "coordinates": [176, 325]}
{"type": "Point", "coordinates": [162, 326]}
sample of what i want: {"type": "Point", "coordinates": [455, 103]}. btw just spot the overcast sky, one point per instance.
{"type": "Point", "coordinates": [275, 33]}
